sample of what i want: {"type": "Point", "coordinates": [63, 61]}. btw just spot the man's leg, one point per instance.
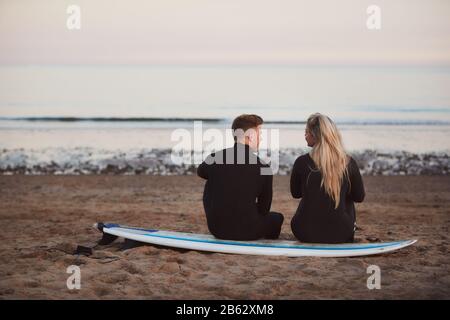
{"type": "Point", "coordinates": [273, 223]}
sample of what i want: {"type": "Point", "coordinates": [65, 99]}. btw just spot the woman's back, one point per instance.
{"type": "Point", "coordinates": [317, 219]}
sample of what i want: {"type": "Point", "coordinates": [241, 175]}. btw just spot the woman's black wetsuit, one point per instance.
{"type": "Point", "coordinates": [316, 219]}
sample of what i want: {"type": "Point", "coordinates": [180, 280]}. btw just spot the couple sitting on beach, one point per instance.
{"type": "Point", "coordinates": [237, 197]}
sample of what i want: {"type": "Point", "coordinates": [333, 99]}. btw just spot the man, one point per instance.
{"type": "Point", "coordinates": [237, 196]}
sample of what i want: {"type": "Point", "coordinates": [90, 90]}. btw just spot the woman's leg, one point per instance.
{"type": "Point", "coordinates": [295, 228]}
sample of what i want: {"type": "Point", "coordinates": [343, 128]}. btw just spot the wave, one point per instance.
{"type": "Point", "coordinates": [109, 119]}
{"type": "Point", "coordinates": [212, 120]}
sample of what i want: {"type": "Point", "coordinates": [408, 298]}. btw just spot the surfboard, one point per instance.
{"type": "Point", "coordinates": [204, 242]}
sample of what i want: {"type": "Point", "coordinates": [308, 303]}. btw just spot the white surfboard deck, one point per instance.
{"type": "Point", "coordinates": [204, 242]}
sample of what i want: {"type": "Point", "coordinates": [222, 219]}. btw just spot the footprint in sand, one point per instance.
{"type": "Point", "coordinates": [102, 291]}
{"type": "Point", "coordinates": [114, 278]}
{"type": "Point", "coordinates": [131, 268]}
{"type": "Point", "coordinates": [170, 267]}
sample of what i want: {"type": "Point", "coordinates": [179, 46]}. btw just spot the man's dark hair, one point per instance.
{"type": "Point", "coordinates": [245, 122]}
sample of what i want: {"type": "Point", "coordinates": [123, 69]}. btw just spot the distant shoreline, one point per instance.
{"type": "Point", "coordinates": [89, 161]}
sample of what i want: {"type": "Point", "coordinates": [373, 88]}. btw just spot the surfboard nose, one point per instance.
{"type": "Point", "coordinates": [106, 238]}
{"type": "Point", "coordinates": [99, 226]}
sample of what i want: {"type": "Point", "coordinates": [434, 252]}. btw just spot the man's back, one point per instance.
{"type": "Point", "coordinates": [237, 196]}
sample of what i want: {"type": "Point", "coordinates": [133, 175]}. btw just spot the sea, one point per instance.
{"type": "Point", "coordinates": [127, 119]}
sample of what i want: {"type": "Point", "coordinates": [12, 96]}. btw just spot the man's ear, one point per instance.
{"type": "Point", "coordinates": [251, 134]}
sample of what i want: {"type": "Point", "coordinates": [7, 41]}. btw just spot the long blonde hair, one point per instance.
{"type": "Point", "coordinates": [328, 154]}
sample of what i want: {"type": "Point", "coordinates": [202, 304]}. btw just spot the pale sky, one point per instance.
{"type": "Point", "coordinates": [279, 32]}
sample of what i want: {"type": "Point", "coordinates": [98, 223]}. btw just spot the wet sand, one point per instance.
{"type": "Point", "coordinates": [44, 218]}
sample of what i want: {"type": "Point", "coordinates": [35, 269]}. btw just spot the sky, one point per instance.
{"type": "Point", "coordinates": [241, 32]}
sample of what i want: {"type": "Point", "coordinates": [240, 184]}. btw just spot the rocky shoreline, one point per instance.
{"type": "Point", "coordinates": [81, 161]}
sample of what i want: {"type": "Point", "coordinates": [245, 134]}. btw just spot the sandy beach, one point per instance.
{"type": "Point", "coordinates": [44, 218]}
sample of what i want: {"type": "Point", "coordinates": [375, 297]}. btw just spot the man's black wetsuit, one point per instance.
{"type": "Point", "coordinates": [237, 197]}
{"type": "Point", "coordinates": [316, 219]}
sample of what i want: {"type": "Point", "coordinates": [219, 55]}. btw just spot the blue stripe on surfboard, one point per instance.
{"type": "Point", "coordinates": [115, 225]}
{"type": "Point", "coordinates": [236, 243]}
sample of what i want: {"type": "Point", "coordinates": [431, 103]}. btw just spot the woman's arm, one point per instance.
{"type": "Point", "coordinates": [296, 186]}
{"type": "Point", "coordinates": [357, 192]}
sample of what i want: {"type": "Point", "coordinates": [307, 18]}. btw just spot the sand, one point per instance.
{"type": "Point", "coordinates": [44, 218]}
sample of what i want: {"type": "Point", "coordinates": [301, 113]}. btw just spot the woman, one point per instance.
{"type": "Point", "coordinates": [329, 182]}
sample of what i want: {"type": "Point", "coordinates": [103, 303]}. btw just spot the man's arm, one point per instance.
{"type": "Point", "coordinates": [265, 198]}
{"type": "Point", "coordinates": [202, 170]}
